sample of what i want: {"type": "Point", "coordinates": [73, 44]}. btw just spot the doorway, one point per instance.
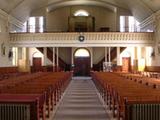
{"type": "Point", "coordinates": [82, 62]}
{"type": "Point", "coordinates": [126, 64]}
{"type": "Point", "coordinates": [37, 64]}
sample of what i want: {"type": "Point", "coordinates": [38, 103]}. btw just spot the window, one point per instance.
{"type": "Point", "coordinates": [31, 24]}
{"type": "Point", "coordinates": [41, 23]}
{"type": "Point", "coordinates": [82, 53]}
{"type": "Point", "coordinates": [35, 24]}
{"type": "Point", "coordinates": [129, 24]}
{"type": "Point", "coordinates": [24, 29]}
{"type": "Point", "coordinates": [81, 13]}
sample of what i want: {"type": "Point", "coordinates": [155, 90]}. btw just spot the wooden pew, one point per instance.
{"type": "Point", "coordinates": [50, 85]}
{"type": "Point", "coordinates": [20, 106]}
{"type": "Point", "coordinates": [116, 90]}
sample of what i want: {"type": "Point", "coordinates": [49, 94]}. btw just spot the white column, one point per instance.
{"type": "Point", "coordinates": [105, 52]}
{"type": "Point", "coordinates": [139, 58]}
{"type": "Point", "coordinates": [118, 56]}
{"type": "Point", "coordinates": [16, 56]}
{"type": "Point", "coordinates": [53, 59]}
{"type": "Point", "coordinates": [139, 53]}
{"type": "Point", "coordinates": [72, 56]}
{"type": "Point", "coordinates": [45, 56]}
{"type": "Point", "coordinates": [109, 54]}
{"type": "Point", "coordinates": [91, 57]}
{"type": "Point", "coordinates": [57, 57]}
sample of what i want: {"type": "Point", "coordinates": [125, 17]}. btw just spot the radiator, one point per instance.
{"type": "Point", "coordinates": [14, 112]}
{"type": "Point", "coordinates": [144, 112]}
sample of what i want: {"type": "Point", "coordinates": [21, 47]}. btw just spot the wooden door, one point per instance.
{"type": "Point", "coordinates": [37, 64]}
{"type": "Point", "coordinates": [82, 66]}
{"type": "Point", "coordinates": [126, 64]}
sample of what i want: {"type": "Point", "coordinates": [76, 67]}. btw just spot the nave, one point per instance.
{"type": "Point", "coordinates": [81, 102]}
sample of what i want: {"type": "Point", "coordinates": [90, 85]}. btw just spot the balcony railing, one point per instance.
{"type": "Point", "coordinates": [90, 39]}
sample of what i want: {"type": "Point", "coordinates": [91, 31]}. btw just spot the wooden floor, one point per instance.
{"type": "Point", "coordinates": [81, 102]}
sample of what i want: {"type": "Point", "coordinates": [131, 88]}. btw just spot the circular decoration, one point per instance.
{"type": "Point", "coordinates": [81, 38]}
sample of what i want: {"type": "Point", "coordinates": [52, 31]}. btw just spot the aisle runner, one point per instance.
{"type": "Point", "coordinates": [81, 102]}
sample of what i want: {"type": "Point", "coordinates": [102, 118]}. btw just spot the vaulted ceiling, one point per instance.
{"type": "Point", "coordinates": [21, 9]}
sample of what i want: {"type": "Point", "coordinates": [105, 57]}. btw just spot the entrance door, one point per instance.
{"type": "Point", "coordinates": [126, 64]}
{"type": "Point", "coordinates": [82, 66]}
{"type": "Point", "coordinates": [37, 64]}
{"type": "Point", "coordinates": [82, 62]}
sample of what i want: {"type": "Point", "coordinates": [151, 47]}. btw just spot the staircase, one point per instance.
{"type": "Point", "coordinates": [99, 65]}
{"type": "Point", "coordinates": [81, 102]}
{"type": "Point", "coordinates": [62, 64]}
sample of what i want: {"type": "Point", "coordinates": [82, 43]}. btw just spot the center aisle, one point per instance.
{"type": "Point", "coordinates": [81, 102]}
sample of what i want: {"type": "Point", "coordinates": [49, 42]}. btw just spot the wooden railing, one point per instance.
{"type": "Point", "coordinates": [72, 39]}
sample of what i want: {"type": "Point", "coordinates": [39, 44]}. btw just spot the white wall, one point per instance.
{"type": "Point", "coordinates": [4, 38]}
{"type": "Point", "coordinates": [65, 54]}
{"type": "Point", "coordinates": [98, 54]}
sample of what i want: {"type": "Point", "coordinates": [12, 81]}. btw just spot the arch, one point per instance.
{"type": "Point", "coordinates": [82, 52]}
{"type": "Point", "coordinates": [81, 13]}
{"type": "Point", "coordinates": [52, 6]}
{"type": "Point", "coordinates": [82, 62]}
{"type": "Point", "coordinates": [36, 55]}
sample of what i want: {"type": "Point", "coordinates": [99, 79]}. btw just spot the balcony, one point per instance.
{"type": "Point", "coordinates": [91, 39]}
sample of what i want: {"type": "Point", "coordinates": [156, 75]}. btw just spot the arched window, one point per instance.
{"type": "Point", "coordinates": [81, 13]}
{"type": "Point", "coordinates": [82, 53]}
{"type": "Point", "coordinates": [37, 55]}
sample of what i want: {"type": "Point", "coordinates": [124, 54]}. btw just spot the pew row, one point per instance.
{"type": "Point", "coordinates": [49, 85]}
{"type": "Point", "coordinates": [151, 82]}
{"type": "Point", "coordinates": [126, 98]}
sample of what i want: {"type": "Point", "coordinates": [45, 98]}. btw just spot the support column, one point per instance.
{"type": "Point", "coordinates": [72, 62]}
{"type": "Point", "coordinates": [57, 64]}
{"type": "Point", "coordinates": [105, 52]}
{"type": "Point", "coordinates": [109, 54]}
{"type": "Point", "coordinates": [45, 56]}
{"type": "Point", "coordinates": [141, 61]}
{"type": "Point", "coordinates": [24, 64]}
{"type": "Point", "coordinates": [118, 56]}
{"type": "Point", "coordinates": [54, 59]}
{"type": "Point", "coordinates": [16, 56]}
{"type": "Point", "coordinates": [91, 58]}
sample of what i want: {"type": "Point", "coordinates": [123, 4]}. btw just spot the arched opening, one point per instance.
{"type": "Point", "coordinates": [82, 62]}
{"type": "Point", "coordinates": [37, 62]}
{"type": "Point", "coordinates": [81, 21]}
{"type": "Point", "coordinates": [82, 52]}
{"type": "Point", "coordinates": [81, 13]}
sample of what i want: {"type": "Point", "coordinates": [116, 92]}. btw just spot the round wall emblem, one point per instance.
{"type": "Point", "coordinates": [81, 38]}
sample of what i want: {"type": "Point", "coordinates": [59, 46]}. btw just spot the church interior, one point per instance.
{"type": "Point", "coordinates": [79, 60]}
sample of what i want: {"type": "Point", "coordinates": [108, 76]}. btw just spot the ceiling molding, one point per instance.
{"type": "Point", "coordinates": [54, 6]}
{"type": "Point", "coordinates": [148, 21]}
{"type": "Point", "coordinates": [3, 15]}
{"type": "Point", "coordinates": [10, 19]}
{"type": "Point", "coordinates": [15, 22]}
